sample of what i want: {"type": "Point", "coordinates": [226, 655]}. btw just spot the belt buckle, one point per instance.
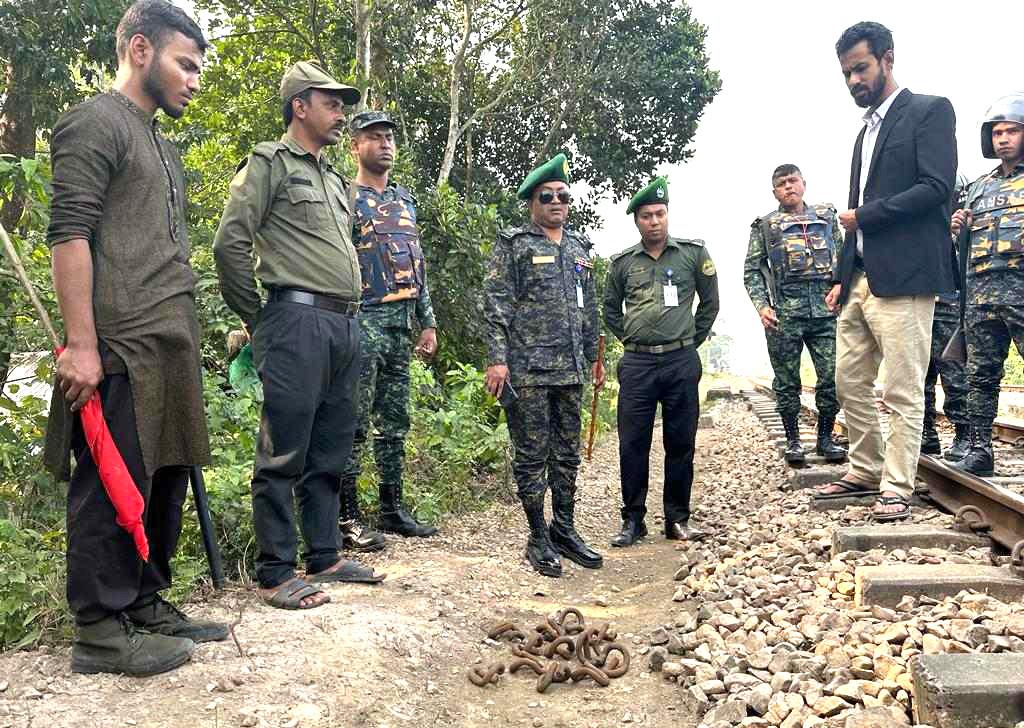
{"type": "Point", "coordinates": [658, 349]}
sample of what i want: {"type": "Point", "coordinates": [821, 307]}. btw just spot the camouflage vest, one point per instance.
{"type": "Point", "coordinates": [388, 244]}
{"type": "Point", "coordinates": [997, 231]}
{"type": "Point", "coordinates": [800, 247]}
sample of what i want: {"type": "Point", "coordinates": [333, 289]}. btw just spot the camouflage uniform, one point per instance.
{"type": "Point", "coordinates": [954, 378]}
{"type": "Point", "coordinates": [541, 316]}
{"type": "Point", "coordinates": [789, 264]}
{"type": "Point", "coordinates": [995, 281]}
{"type": "Point", "coordinates": [394, 292]}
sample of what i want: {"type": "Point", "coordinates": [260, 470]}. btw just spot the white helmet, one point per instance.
{"type": "Point", "coordinates": [1008, 108]}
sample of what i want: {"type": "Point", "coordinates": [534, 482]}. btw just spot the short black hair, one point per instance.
{"type": "Point", "coordinates": [784, 170]}
{"type": "Point", "coordinates": [286, 109]}
{"type": "Point", "coordinates": [156, 20]}
{"type": "Point", "coordinates": [879, 38]}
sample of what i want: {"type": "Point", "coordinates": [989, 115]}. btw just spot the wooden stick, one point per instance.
{"type": "Point", "coordinates": [593, 404]}
{"type": "Point", "coordinates": [12, 254]}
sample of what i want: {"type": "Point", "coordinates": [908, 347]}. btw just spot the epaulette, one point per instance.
{"type": "Point", "coordinates": [266, 150]}
{"type": "Point", "coordinates": [627, 251]}
{"type": "Point", "coordinates": [691, 241]}
{"type": "Point", "coordinates": [406, 194]}
{"type": "Point", "coordinates": [756, 223]}
{"type": "Point", "coordinates": [584, 240]}
{"type": "Point", "coordinates": [825, 208]}
{"type": "Point", "coordinates": [511, 232]}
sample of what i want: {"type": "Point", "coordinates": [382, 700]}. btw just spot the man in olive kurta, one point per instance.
{"type": "Point", "coordinates": [648, 305]}
{"type": "Point", "coordinates": [291, 209]}
{"type": "Point", "coordinates": [126, 292]}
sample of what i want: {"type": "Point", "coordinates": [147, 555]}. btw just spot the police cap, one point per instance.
{"type": "Point", "coordinates": [307, 74]}
{"type": "Point", "coordinates": [556, 168]}
{"type": "Point", "coordinates": [369, 118]}
{"type": "Point", "coordinates": [655, 193]}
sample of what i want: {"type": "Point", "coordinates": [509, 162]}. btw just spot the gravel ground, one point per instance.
{"type": "Point", "coordinates": [753, 627]}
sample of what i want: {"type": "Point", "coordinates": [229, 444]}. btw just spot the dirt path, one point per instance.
{"type": "Point", "coordinates": [397, 654]}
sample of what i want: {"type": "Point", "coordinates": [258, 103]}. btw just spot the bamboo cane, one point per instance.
{"type": "Point", "coordinates": [593, 404]}
{"type": "Point", "coordinates": [19, 270]}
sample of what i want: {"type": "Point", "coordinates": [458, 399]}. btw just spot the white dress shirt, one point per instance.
{"type": "Point", "coordinates": [873, 121]}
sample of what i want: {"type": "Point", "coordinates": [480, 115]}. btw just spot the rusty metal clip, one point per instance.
{"type": "Point", "coordinates": [970, 518]}
{"type": "Point", "coordinates": [1017, 559]}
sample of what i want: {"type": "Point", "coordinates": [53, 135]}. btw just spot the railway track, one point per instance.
{"type": "Point", "coordinates": [992, 507]}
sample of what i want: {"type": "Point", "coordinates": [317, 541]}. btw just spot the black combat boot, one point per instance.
{"type": "Point", "coordinates": [979, 459]}
{"type": "Point", "coordinates": [794, 450]}
{"type": "Point", "coordinates": [826, 446]}
{"type": "Point", "coordinates": [159, 616]}
{"type": "Point", "coordinates": [356, 535]}
{"type": "Point", "coordinates": [395, 519]}
{"type": "Point", "coordinates": [563, 533]}
{"type": "Point", "coordinates": [114, 645]}
{"type": "Point", "coordinates": [961, 444]}
{"type": "Point", "coordinates": [539, 550]}
{"type": "Point", "coordinates": [930, 444]}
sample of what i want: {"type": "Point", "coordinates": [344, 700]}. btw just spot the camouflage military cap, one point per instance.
{"type": "Point", "coordinates": [307, 74]}
{"type": "Point", "coordinates": [368, 118]}
{"type": "Point", "coordinates": [556, 168]}
{"type": "Point", "coordinates": [655, 193]}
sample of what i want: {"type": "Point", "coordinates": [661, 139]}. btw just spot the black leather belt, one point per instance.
{"type": "Point", "coordinates": [329, 303]}
{"type": "Point", "coordinates": [658, 348]}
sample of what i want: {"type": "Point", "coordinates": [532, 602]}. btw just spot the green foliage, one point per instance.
{"type": "Point", "coordinates": [31, 584]}
{"type": "Point", "coordinates": [457, 240]}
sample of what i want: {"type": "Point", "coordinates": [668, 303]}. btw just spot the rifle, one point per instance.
{"type": "Point", "coordinates": [956, 348]}
{"type": "Point", "coordinates": [195, 473]}
{"type": "Point", "coordinates": [766, 266]}
{"type": "Point", "coordinates": [593, 404]}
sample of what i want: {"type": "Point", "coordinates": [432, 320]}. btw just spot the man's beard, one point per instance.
{"type": "Point", "coordinates": [875, 91]}
{"type": "Point", "coordinates": [153, 87]}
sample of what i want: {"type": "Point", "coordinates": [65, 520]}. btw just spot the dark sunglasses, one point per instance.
{"type": "Point", "coordinates": [547, 197]}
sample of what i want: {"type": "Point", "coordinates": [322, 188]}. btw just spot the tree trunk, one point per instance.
{"type": "Point", "coordinates": [17, 138]}
{"type": "Point", "coordinates": [362, 13]}
{"type": "Point", "coordinates": [455, 95]}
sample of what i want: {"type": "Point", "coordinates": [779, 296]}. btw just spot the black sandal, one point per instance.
{"type": "Point", "coordinates": [849, 490]}
{"type": "Point", "coordinates": [289, 595]}
{"type": "Point", "coordinates": [347, 571]}
{"type": "Point", "coordinates": [891, 500]}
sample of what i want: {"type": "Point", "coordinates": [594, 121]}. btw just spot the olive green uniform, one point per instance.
{"type": "Point", "coordinates": [291, 210]}
{"type": "Point", "coordinates": [648, 305]}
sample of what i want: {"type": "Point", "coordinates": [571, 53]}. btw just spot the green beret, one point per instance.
{"type": "Point", "coordinates": [655, 193]}
{"type": "Point", "coordinates": [556, 168]}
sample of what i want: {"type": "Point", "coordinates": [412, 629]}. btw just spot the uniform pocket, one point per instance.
{"type": "Point", "coordinates": [309, 204]}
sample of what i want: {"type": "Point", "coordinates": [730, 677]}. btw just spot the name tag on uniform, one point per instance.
{"type": "Point", "coordinates": [579, 295]}
{"type": "Point", "coordinates": [671, 295]}
{"type": "Point", "coordinates": [538, 259]}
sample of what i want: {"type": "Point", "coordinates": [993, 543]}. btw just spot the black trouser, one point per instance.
{"type": "Point", "coordinates": [105, 574]}
{"type": "Point", "coordinates": [308, 361]}
{"type": "Point", "coordinates": [645, 380]}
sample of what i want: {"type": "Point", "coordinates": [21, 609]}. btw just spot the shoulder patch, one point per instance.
{"type": "Point", "coordinates": [627, 251]}
{"type": "Point", "coordinates": [708, 267]}
{"type": "Point", "coordinates": [509, 232]}
{"type": "Point", "coordinates": [756, 223]}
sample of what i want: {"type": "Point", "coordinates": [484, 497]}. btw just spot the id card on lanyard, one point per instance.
{"type": "Point", "coordinates": [671, 292]}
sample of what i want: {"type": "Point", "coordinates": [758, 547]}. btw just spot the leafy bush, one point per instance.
{"type": "Point", "coordinates": [31, 584]}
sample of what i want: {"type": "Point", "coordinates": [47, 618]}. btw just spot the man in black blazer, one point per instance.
{"type": "Point", "coordinates": [895, 260]}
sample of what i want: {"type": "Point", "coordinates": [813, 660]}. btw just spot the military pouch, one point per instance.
{"type": "Point", "coordinates": [805, 249]}
{"type": "Point", "coordinates": [1010, 234]}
